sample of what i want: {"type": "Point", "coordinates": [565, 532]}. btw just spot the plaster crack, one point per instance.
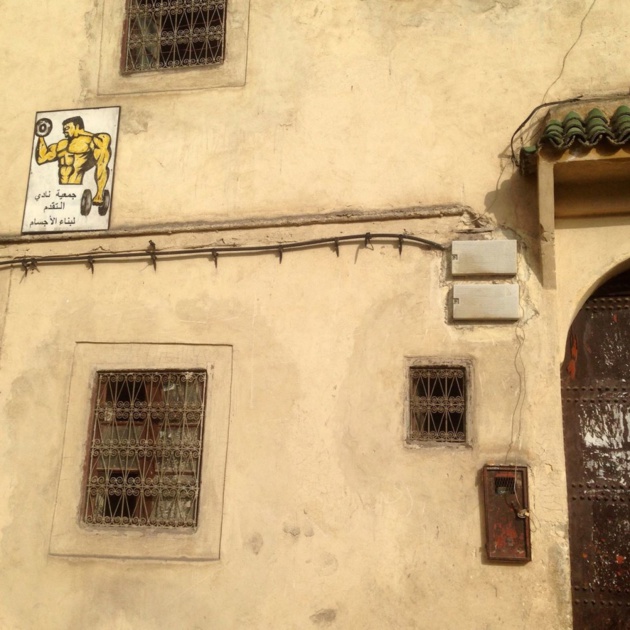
{"type": "Point", "coordinates": [506, 5]}
{"type": "Point", "coordinates": [566, 54]}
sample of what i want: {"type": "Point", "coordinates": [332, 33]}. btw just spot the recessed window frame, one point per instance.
{"type": "Point", "coordinates": [70, 536]}
{"type": "Point", "coordinates": [433, 362]}
{"type": "Point", "coordinates": [106, 78]}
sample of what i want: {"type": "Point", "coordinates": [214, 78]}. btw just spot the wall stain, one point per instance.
{"type": "Point", "coordinates": [294, 530]}
{"type": "Point", "coordinates": [324, 617]}
{"type": "Point", "coordinates": [255, 543]}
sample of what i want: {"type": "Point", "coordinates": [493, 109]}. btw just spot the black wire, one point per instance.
{"type": "Point", "coordinates": [152, 253]}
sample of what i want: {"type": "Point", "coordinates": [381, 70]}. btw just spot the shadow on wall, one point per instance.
{"type": "Point", "coordinates": [513, 204]}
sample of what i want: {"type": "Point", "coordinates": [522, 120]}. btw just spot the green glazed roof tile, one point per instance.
{"type": "Point", "coordinates": [621, 120]}
{"type": "Point", "coordinates": [554, 134]}
{"type": "Point", "coordinates": [620, 111]}
{"type": "Point", "coordinates": [594, 129]}
{"type": "Point", "coordinates": [596, 113]}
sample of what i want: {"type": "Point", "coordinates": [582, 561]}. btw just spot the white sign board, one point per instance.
{"type": "Point", "coordinates": [486, 301]}
{"type": "Point", "coordinates": [71, 180]}
{"type": "Point", "coordinates": [481, 258]}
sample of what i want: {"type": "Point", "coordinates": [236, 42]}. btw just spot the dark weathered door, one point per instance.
{"type": "Point", "coordinates": [596, 412]}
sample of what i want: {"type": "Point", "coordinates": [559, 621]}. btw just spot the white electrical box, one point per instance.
{"type": "Point", "coordinates": [487, 258]}
{"type": "Point", "coordinates": [477, 301]}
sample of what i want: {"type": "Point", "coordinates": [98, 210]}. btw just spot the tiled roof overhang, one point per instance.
{"type": "Point", "coordinates": [595, 129]}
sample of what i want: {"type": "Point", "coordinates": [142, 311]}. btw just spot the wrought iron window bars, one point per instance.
{"type": "Point", "coordinates": [145, 447]}
{"type": "Point", "coordinates": [437, 404]}
{"type": "Point", "coordinates": [162, 34]}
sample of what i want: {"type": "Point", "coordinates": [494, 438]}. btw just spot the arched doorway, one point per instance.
{"type": "Point", "coordinates": [596, 415]}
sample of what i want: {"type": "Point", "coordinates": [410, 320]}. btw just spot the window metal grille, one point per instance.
{"type": "Point", "coordinates": [437, 404]}
{"type": "Point", "coordinates": [144, 457]}
{"type": "Point", "coordinates": [163, 34]}
{"type": "Point", "coordinates": [505, 484]}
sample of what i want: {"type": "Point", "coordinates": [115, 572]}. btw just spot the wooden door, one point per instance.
{"type": "Point", "coordinates": [596, 416]}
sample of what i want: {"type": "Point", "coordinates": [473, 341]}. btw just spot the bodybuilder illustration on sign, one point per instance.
{"type": "Point", "coordinates": [77, 154]}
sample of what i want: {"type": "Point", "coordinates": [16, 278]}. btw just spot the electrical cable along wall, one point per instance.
{"type": "Point", "coordinates": [152, 253]}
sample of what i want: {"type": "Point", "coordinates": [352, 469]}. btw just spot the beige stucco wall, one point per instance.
{"type": "Point", "coordinates": [325, 507]}
{"type": "Point", "coordinates": [359, 105]}
{"type": "Point", "coordinates": [329, 520]}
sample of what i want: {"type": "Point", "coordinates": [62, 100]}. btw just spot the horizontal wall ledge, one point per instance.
{"type": "Point", "coordinates": [336, 217]}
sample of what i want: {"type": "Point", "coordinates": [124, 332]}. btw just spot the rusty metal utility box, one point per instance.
{"type": "Point", "coordinates": [507, 513]}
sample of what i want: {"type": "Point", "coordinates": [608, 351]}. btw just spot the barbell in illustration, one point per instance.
{"type": "Point", "coordinates": [87, 203]}
{"type": "Point", "coordinates": [43, 127]}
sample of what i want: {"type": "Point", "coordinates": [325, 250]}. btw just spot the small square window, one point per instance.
{"type": "Point", "coordinates": [437, 404]}
{"type": "Point", "coordinates": [144, 451]}
{"type": "Point", "coordinates": [171, 34]}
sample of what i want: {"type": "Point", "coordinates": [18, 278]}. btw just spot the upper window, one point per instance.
{"type": "Point", "coordinates": [163, 34]}
{"type": "Point", "coordinates": [144, 451]}
{"type": "Point", "coordinates": [437, 404]}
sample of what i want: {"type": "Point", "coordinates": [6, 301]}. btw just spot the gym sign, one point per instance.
{"type": "Point", "coordinates": [71, 180]}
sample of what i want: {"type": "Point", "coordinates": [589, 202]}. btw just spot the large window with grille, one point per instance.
{"type": "Point", "coordinates": [437, 404]}
{"type": "Point", "coordinates": [145, 449]}
{"type": "Point", "coordinates": [163, 34]}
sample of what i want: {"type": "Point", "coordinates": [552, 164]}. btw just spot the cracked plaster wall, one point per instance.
{"type": "Point", "coordinates": [329, 520]}
{"type": "Point", "coordinates": [358, 105]}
